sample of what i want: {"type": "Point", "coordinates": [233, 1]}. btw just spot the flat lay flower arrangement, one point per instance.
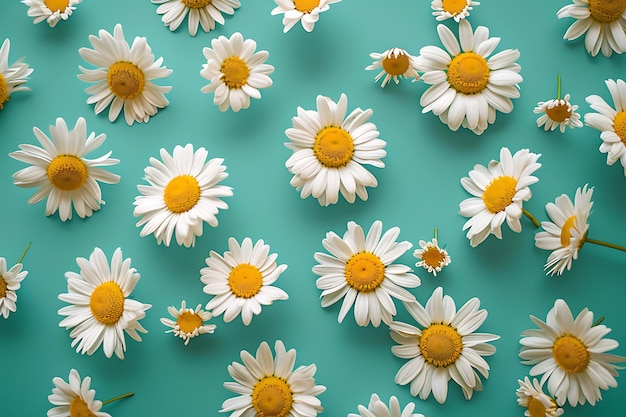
{"type": "Point", "coordinates": [299, 207]}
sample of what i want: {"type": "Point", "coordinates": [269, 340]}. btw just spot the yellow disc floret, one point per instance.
{"type": "Point", "coordinates": [245, 280]}
{"type": "Point", "coordinates": [306, 6]}
{"type": "Point", "coordinates": [56, 5]}
{"type": "Point", "coordinates": [189, 321]}
{"type": "Point", "coordinates": [468, 73]}
{"type": "Point", "coordinates": [196, 4]}
{"type": "Point", "coordinates": [107, 303]}
{"type": "Point", "coordinates": [566, 234]}
{"type": "Point", "coordinates": [67, 172]}
{"type": "Point", "coordinates": [454, 7]}
{"type": "Point", "coordinates": [606, 11]}
{"type": "Point", "coordinates": [570, 354]}
{"type": "Point", "coordinates": [559, 113]}
{"type": "Point", "coordinates": [619, 125]}
{"type": "Point", "coordinates": [235, 72]}
{"type": "Point", "coordinates": [499, 193]}
{"type": "Point", "coordinates": [3, 287]}
{"type": "Point", "coordinates": [433, 257]}
{"type": "Point", "coordinates": [4, 92]}
{"type": "Point", "coordinates": [440, 344]}
{"type": "Point", "coordinates": [126, 80]}
{"type": "Point", "coordinates": [79, 408]}
{"type": "Point", "coordinates": [272, 397]}
{"type": "Point", "coordinates": [333, 147]}
{"type": "Point", "coordinates": [396, 64]}
{"type": "Point", "coordinates": [536, 408]}
{"type": "Point", "coordinates": [364, 272]}
{"type": "Point", "coordinates": [181, 194]}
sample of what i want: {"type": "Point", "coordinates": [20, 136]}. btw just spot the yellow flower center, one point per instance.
{"type": "Point", "coordinates": [454, 7]}
{"type": "Point", "coordinates": [189, 321]}
{"type": "Point", "coordinates": [181, 194]}
{"type": "Point", "coordinates": [4, 93]}
{"type": "Point", "coordinates": [272, 397]}
{"type": "Point", "coordinates": [79, 408]}
{"type": "Point", "coordinates": [196, 4]}
{"type": "Point", "coordinates": [245, 280]}
{"type": "Point", "coordinates": [559, 113]}
{"type": "Point", "coordinates": [333, 147]}
{"type": "Point", "coordinates": [67, 172]}
{"type": "Point", "coordinates": [570, 354]}
{"type": "Point", "coordinates": [56, 5]}
{"type": "Point", "coordinates": [619, 125]}
{"type": "Point", "coordinates": [536, 407]}
{"type": "Point", "coordinates": [499, 193]}
{"type": "Point", "coordinates": [126, 80]}
{"type": "Point", "coordinates": [566, 234]}
{"type": "Point", "coordinates": [364, 272]}
{"type": "Point", "coordinates": [440, 344]}
{"type": "Point", "coordinates": [606, 11]}
{"type": "Point", "coordinates": [107, 303]}
{"type": "Point", "coordinates": [396, 64]}
{"type": "Point", "coordinates": [468, 73]}
{"type": "Point", "coordinates": [433, 257]}
{"type": "Point", "coordinates": [306, 6]}
{"type": "Point", "coordinates": [3, 287]}
{"type": "Point", "coordinates": [235, 72]}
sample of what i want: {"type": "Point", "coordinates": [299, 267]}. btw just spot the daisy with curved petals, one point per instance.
{"type": "Point", "coordinates": [307, 12]}
{"type": "Point", "coordinates": [452, 9]}
{"type": "Point", "coordinates": [12, 77]}
{"type": "Point", "coordinates": [558, 113]}
{"type": "Point", "coordinates": [201, 12]}
{"type": "Point", "coordinates": [445, 347]}
{"type": "Point", "coordinates": [329, 151]}
{"type": "Point", "coordinates": [188, 322]}
{"type": "Point", "coordinates": [74, 398]}
{"type": "Point", "coordinates": [269, 386]}
{"type": "Point", "coordinates": [467, 86]}
{"type": "Point", "coordinates": [360, 270]}
{"type": "Point", "coordinates": [52, 11]}
{"type": "Point", "coordinates": [62, 173]}
{"type": "Point", "coordinates": [431, 256]}
{"type": "Point", "coordinates": [235, 71]}
{"type": "Point", "coordinates": [124, 77]}
{"type": "Point", "coordinates": [182, 195]}
{"type": "Point", "coordinates": [394, 63]}
{"type": "Point", "coordinates": [377, 408]}
{"type": "Point", "coordinates": [10, 282]}
{"type": "Point", "coordinates": [537, 404]}
{"type": "Point", "coordinates": [100, 309]}
{"type": "Point", "coordinates": [571, 355]}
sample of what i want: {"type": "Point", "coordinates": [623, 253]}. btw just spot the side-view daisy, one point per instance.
{"type": "Point", "coordinates": [307, 12]}
{"type": "Point", "coordinates": [431, 256]}
{"type": "Point", "coordinates": [236, 71]}
{"type": "Point", "coordinates": [124, 76]}
{"type": "Point", "coordinates": [62, 173]}
{"type": "Point", "coordinates": [12, 77]}
{"type": "Point", "coordinates": [537, 404]}
{"type": "Point", "coordinates": [52, 11]}
{"type": "Point", "coordinates": [377, 408]}
{"type": "Point", "coordinates": [452, 9]}
{"type": "Point", "coordinates": [188, 322]}
{"type": "Point", "coordinates": [330, 151]}
{"type": "Point", "coordinates": [200, 12]}
{"type": "Point", "coordinates": [445, 347]}
{"type": "Point", "coordinates": [394, 63]}
{"type": "Point", "coordinates": [10, 282]}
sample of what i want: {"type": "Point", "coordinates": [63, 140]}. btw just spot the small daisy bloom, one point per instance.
{"type": "Point", "coordinates": [269, 386]}
{"type": "Point", "coordinates": [10, 282]}
{"type": "Point", "coordinates": [100, 309]}
{"type": "Point", "coordinates": [431, 256]}
{"type": "Point", "coordinates": [62, 173]}
{"type": "Point", "coordinates": [537, 404]}
{"type": "Point", "coordinates": [201, 12]}
{"type": "Point", "coordinates": [241, 280]}
{"type": "Point", "coordinates": [52, 11]}
{"type": "Point", "coordinates": [182, 195]}
{"type": "Point", "coordinates": [188, 323]}
{"type": "Point", "coordinates": [571, 355]}
{"type": "Point", "coordinates": [377, 408]}
{"type": "Point", "coordinates": [566, 233]}
{"type": "Point", "coordinates": [445, 347]}
{"type": "Point", "coordinates": [329, 151]}
{"type": "Point", "coordinates": [498, 190]}
{"type": "Point", "coordinates": [124, 77]}
{"type": "Point", "coordinates": [12, 77]}
{"type": "Point", "coordinates": [467, 87]}
{"type": "Point", "coordinates": [558, 113]}
{"type": "Point", "coordinates": [235, 71]}
{"type": "Point", "coordinates": [306, 12]}
{"type": "Point", "coordinates": [394, 63]}
{"type": "Point", "coordinates": [74, 398]}
{"type": "Point", "coordinates": [359, 269]}
{"type": "Point", "coordinates": [452, 9]}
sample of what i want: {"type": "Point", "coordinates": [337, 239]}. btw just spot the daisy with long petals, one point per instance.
{"type": "Point", "coordinates": [537, 404]}
{"type": "Point", "coordinates": [394, 63]}
{"type": "Point", "coordinates": [10, 282]}
{"type": "Point", "coordinates": [200, 12]}
{"type": "Point", "coordinates": [377, 408]}
{"type": "Point", "coordinates": [12, 77]}
{"type": "Point", "coordinates": [52, 11]}
{"type": "Point", "coordinates": [307, 12]}
{"type": "Point", "coordinates": [188, 322]}
{"type": "Point", "coordinates": [452, 9]}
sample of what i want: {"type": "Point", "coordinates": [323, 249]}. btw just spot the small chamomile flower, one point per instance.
{"type": "Point", "coordinates": [537, 404]}
{"type": "Point", "coordinates": [394, 64]}
{"type": "Point", "coordinates": [559, 112]}
{"type": "Point", "coordinates": [12, 77]}
{"type": "Point", "coordinates": [431, 256]}
{"type": "Point", "coordinates": [52, 11]}
{"type": "Point", "coordinates": [202, 13]}
{"type": "Point", "coordinates": [452, 9]}
{"type": "Point", "coordinates": [10, 282]}
{"type": "Point", "coordinates": [188, 322]}
{"type": "Point", "coordinates": [304, 11]}
{"type": "Point", "coordinates": [377, 408]}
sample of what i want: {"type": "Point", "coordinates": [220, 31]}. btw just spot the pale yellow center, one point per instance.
{"type": "Point", "coordinates": [4, 93]}
{"type": "Point", "coordinates": [189, 321]}
{"type": "Point", "coordinates": [619, 125]}
{"type": "Point", "coordinates": [454, 7]}
{"type": "Point", "coordinates": [272, 397]}
{"type": "Point", "coordinates": [306, 6]}
{"type": "Point", "coordinates": [79, 408]}
{"type": "Point", "coordinates": [559, 113]}
{"type": "Point", "coordinates": [235, 72]}
{"type": "Point", "coordinates": [107, 303]}
{"type": "Point", "coordinates": [245, 280]}
{"type": "Point", "coordinates": [536, 407]}
{"type": "Point", "coordinates": [196, 4]}
{"type": "Point", "coordinates": [433, 257]}
{"type": "Point", "coordinates": [364, 272]}
{"type": "Point", "coordinates": [566, 234]}
{"type": "Point", "coordinates": [181, 194]}
{"type": "Point", "coordinates": [396, 64]}
{"type": "Point", "coordinates": [606, 11]}
{"type": "Point", "coordinates": [56, 5]}
{"type": "Point", "coordinates": [440, 344]}
{"type": "Point", "coordinates": [468, 73]}
{"type": "Point", "coordinates": [499, 193]}
{"type": "Point", "coordinates": [570, 354]}
{"type": "Point", "coordinates": [126, 80]}
{"type": "Point", "coordinates": [3, 287]}
{"type": "Point", "coordinates": [333, 147]}
{"type": "Point", "coordinates": [67, 172]}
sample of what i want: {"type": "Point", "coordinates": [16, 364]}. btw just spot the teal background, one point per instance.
{"type": "Point", "coordinates": [418, 190]}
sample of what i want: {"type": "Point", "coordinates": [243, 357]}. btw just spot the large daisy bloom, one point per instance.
{"type": "Point", "coordinates": [269, 386]}
{"type": "Point", "coordinates": [62, 173]}
{"type": "Point", "coordinates": [603, 22]}
{"type": "Point", "coordinates": [241, 280]}
{"type": "Point", "coordinates": [431, 256]}
{"type": "Point", "coordinates": [566, 233]}
{"type": "Point", "coordinates": [201, 12]}
{"type": "Point", "coordinates": [329, 151]}
{"type": "Point", "coordinates": [184, 192]}
{"type": "Point", "coordinates": [101, 309]}
{"type": "Point", "coordinates": [446, 346]}
{"type": "Point", "coordinates": [394, 63]}
{"type": "Point", "coordinates": [468, 86]}
{"type": "Point", "coordinates": [236, 71]}
{"type": "Point", "coordinates": [10, 282]}
{"type": "Point", "coordinates": [307, 12]}
{"type": "Point", "coordinates": [360, 270]}
{"type": "Point", "coordinates": [537, 404]}
{"type": "Point", "coordinates": [12, 77]}
{"type": "Point", "coordinates": [452, 9]}
{"type": "Point", "coordinates": [124, 77]}
{"type": "Point", "coordinates": [74, 398]}
{"type": "Point", "coordinates": [377, 408]}
{"type": "Point", "coordinates": [188, 322]}
{"type": "Point", "coordinates": [52, 11]}
{"type": "Point", "coordinates": [558, 113]}
{"type": "Point", "coordinates": [571, 355]}
{"type": "Point", "coordinates": [498, 191]}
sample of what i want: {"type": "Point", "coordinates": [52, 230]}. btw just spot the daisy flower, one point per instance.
{"type": "Point", "coordinates": [201, 12]}
{"type": "Point", "coordinates": [269, 386]}
{"type": "Point", "coordinates": [359, 269]}
{"type": "Point", "coordinates": [571, 355]}
{"type": "Point", "coordinates": [12, 77]}
{"type": "Point", "coordinates": [62, 173]}
{"type": "Point", "coordinates": [10, 282]}
{"type": "Point", "coordinates": [558, 113]}
{"type": "Point", "coordinates": [452, 9]}
{"type": "Point", "coordinates": [431, 256]}
{"type": "Point", "coordinates": [235, 71]}
{"type": "Point", "coordinates": [445, 347]}
{"type": "Point", "coordinates": [52, 11]}
{"type": "Point", "coordinates": [241, 280]}
{"type": "Point", "coordinates": [498, 192]}
{"type": "Point", "coordinates": [377, 408]}
{"type": "Point", "coordinates": [182, 195]}
{"type": "Point", "coordinates": [100, 309]}
{"type": "Point", "coordinates": [468, 87]}
{"type": "Point", "coordinates": [394, 63]}
{"type": "Point", "coordinates": [188, 322]}
{"type": "Point", "coordinates": [306, 12]}
{"type": "Point", "coordinates": [537, 404]}
{"type": "Point", "coordinates": [329, 151]}
{"type": "Point", "coordinates": [124, 77]}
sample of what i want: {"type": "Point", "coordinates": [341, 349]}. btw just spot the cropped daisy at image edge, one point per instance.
{"type": "Point", "coordinates": [378, 408]}
{"type": "Point", "coordinates": [452, 9]}
{"type": "Point", "coordinates": [11, 281]}
{"type": "Point", "coordinates": [203, 13]}
{"type": "Point", "coordinates": [12, 77]}
{"type": "Point", "coordinates": [307, 12]}
{"type": "Point", "coordinates": [52, 11]}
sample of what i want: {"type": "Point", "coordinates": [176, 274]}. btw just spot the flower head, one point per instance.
{"type": "Point", "coordinates": [12, 77]}
{"type": "Point", "coordinates": [200, 12]}
{"type": "Point", "coordinates": [452, 9]}
{"type": "Point", "coordinates": [537, 404]}
{"type": "Point", "coordinates": [394, 63]}
{"type": "Point", "coordinates": [304, 11]}
{"type": "Point", "coordinates": [377, 408]}
{"type": "Point", "coordinates": [558, 113]}
{"type": "Point", "coordinates": [74, 398]}
{"type": "Point", "coordinates": [188, 323]}
{"type": "Point", "coordinates": [52, 11]}
{"type": "Point", "coordinates": [10, 282]}
{"type": "Point", "coordinates": [431, 256]}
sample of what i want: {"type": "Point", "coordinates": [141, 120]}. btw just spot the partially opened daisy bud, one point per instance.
{"type": "Point", "coordinates": [52, 11]}
{"type": "Point", "coordinates": [558, 113]}
{"type": "Point", "coordinates": [537, 404]}
{"type": "Point", "coordinates": [200, 12]}
{"type": "Point", "coordinates": [188, 323]}
{"type": "Point", "coordinates": [431, 256]}
{"type": "Point", "coordinates": [394, 63]}
{"type": "Point", "coordinates": [12, 77]}
{"type": "Point", "coordinates": [452, 9]}
{"type": "Point", "coordinates": [10, 282]}
{"type": "Point", "coordinates": [304, 11]}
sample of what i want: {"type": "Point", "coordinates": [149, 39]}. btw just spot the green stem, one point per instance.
{"type": "Point", "coordinates": [19, 261]}
{"type": "Point", "coordinates": [558, 86]}
{"type": "Point", "coordinates": [608, 245]}
{"type": "Point", "coordinates": [119, 397]}
{"type": "Point", "coordinates": [600, 320]}
{"type": "Point", "coordinates": [436, 234]}
{"type": "Point", "coordinates": [531, 217]}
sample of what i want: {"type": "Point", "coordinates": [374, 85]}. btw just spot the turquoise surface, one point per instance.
{"type": "Point", "coordinates": [418, 190]}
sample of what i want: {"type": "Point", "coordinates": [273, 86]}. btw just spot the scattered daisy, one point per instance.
{"type": "Point", "coordinates": [12, 77]}
{"type": "Point", "coordinates": [571, 355]}
{"type": "Point", "coordinates": [359, 269]}
{"type": "Point", "coordinates": [304, 11]}
{"type": "Point", "coordinates": [52, 11]}
{"type": "Point", "coordinates": [431, 256]}
{"type": "Point", "coordinates": [558, 112]}
{"type": "Point", "coordinates": [241, 280]}
{"type": "Point", "coordinates": [452, 9]}
{"type": "Point", "coordinates": [188, 322]}
{"type": "Point", "coordinates": [235, 71]}
{"type": "Point", "coordinates": [124, 77]}
{"type": "Point", "coordinates": [329, 151]}
{"type": "Point", "coordinates": [182, 195]}
{"type": "Point", "coordinates": [394, 63]}
{"type": "Point", "coordinates": [100, 309]}
{"type": "Point", "coordinates": [498, 193]}
{"type": "Point", "coordinates": [201, 12]}
{"type": "Point", "coordinates": [445, 347]}
{"type": "Point", "coordinates": [467, 88]}
{"type": "Point", "coordinates": [377, 408]}
{"type": "Point", "coordinates": [62, 173]}
{"type": "Point", "coordinates": [537, 404]}
{"type": "Point", "coordinates": [10, 282]}
{"type": "Point", "coordinates": [269, 386]}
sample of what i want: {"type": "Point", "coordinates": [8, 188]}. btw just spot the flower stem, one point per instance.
{"type": "Point", "coordinates": [558, 86]}
{"type": "Point", "coordinates": [19, 261]}
{"type": "Point", "coordinates": [600, 320]}
{"type": "Point", "coordinates": [436, 234]}
{"type": "Point", "coordinates": [531, 217]}
{"type": "Point", "coordinates": [608, 245]}
{"type": "Point", "coordinates": [119, 397]}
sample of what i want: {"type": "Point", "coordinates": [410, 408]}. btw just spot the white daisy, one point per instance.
{"type": "Point", "coordinates": [306, 12]}
{"type": "Point", "coordinates": [52, 11]}
{"type": "Point", "coordinates": [566, 233]}
{"type": "Point", "coordinates": [394, 63]}
{"type": "Point", "coordinates": [498, 193]}
{"type": "Point", "coordinates": [188, 322]}
{"type": "Point", "coordinates": [452, 9]}
{"type": "Point", "coordinates": [100, 309]}
{"type": "Point", "coordinates": [235, 71]}
{"type": "Point", "coordinates": [445, 347]}
{"type": "Point", "coordinates": [359, 269]}
{"type": "Point", "coordinates": [558, 113]}
{"type": "Point", "coordinates": [329, 151]}
{"type": "Point", "coordinates": [571, 355]}
{"type": "Point", "coordinates": [10, 282]}
{"type": "Point", "coordinates": [468, 87]}
{"type": "Point", "coordinates": [182, 195]}
{"type": "Point", "coordinates": [537, 404]}
{"type": "Point", "coordinates": [201, 12]}
{"type": "Point", "coordinates": [124, 77]}
{"type": "Point", "coordinates": [74, 398]}
{"type": "Point", "coordinates": [62, 173]}
{"type": "Point", "coordinates": [377, 408]}
{"type": "Point", "coordinates": [241, 280]}
{"type": "Point", "coordinates": [12, 77]}
{"type": "Point", "coordinates": [269, 386]}
{"type": "Point", "coordinates": [602, 21]}
{"type": "Point", "coordinates": [431, 256]}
